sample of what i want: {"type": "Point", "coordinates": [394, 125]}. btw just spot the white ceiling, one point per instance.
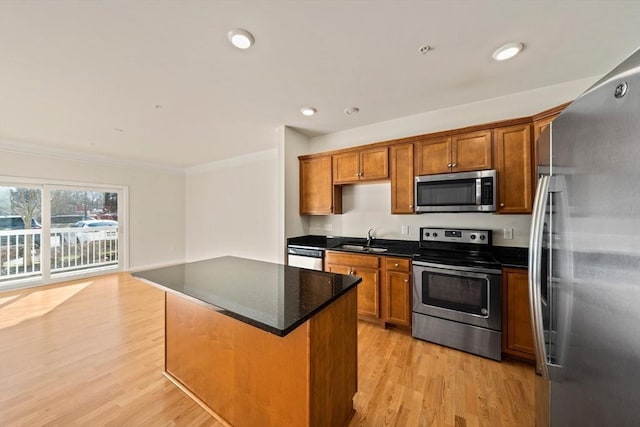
{"type": "Point", "coordinates": [73, 72]}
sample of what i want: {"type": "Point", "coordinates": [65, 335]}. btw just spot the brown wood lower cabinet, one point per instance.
{"type": "Point", "coordinates": [397, 292]}
{"type": "Point", "coordinates": [384, 295]}
{"type": "Point", "coordinates": [245, 376]}
{"type": "Point", "coordinates": [517, 332]}
{"type": "Point", "coordinates": [365, 266]}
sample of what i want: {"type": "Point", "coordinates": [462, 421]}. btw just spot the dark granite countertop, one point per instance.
{"type": "Point", "coordinates": [399, 248]}
{"type": "Point", "coordinates": [272, 297]}
{"type": "Point", "coordinates": [514, 257]}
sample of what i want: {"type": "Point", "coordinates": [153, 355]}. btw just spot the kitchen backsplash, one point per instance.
{"type": "Point", "coordinates": [368, 205]}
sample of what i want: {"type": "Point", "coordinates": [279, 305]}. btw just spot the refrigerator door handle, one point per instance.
{"type": "Point", "coordinates": [535, 258]}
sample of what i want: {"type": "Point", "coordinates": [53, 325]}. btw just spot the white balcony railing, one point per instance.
{"type": "Point", "coordinates": [71, 249]}
{"type": "Point", "coordinates": [19, 254]}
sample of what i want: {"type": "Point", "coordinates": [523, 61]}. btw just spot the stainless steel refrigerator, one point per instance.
{"type": "Point", "coordinates": [584, 258]}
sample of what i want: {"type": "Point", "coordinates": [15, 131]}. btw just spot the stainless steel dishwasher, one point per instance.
{"type": "Point", "coordinates": [305, 257]}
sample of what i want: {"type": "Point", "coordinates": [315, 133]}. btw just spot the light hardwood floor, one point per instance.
{"type": "Point", "coordinates": [90, 353]}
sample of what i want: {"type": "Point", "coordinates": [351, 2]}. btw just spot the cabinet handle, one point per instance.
{"type": "Point", "coordinates": [449, 165]}
{"type": "Point", "coordinates": [396, 265]}
{"type": "Point", "coordinates": [406, 281]}
{"type": "Point", "coordinates": [501, 204]}
{"type": "Point", "coordinates": [411, 206]}
{"type": "Point", "coordinates": [454, 165]}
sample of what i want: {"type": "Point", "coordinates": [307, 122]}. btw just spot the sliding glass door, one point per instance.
{"type": "Point", "coordinates": [20, 232]}
{"type": "Point", "coordinates": [52, 231]}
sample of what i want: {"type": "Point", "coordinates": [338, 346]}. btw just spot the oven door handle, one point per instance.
{"type": "Point", "coordinates": [432, 266]}
{"type": "Point", "coordinates": [465, 271]}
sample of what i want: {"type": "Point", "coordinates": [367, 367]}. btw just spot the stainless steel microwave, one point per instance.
{"type": "Point", "coordinates": [456, 192]}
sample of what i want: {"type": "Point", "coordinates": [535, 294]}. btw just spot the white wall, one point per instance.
{"type": "Point", "coordinates": [233, 207]}
{"type": "Point", "coordinates": [368, 205]}
{"type": "Point", "coordinates": [293, 145]}
{"type": "Point", "coordinates": [156, 198]}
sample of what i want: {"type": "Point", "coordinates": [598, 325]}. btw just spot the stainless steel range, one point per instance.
{"type": "Point", "coordinates": [457, 291]}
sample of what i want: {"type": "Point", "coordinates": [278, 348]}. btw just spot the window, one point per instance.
{"type": "Point", "coordinates": [73, 230]}
{"type": "Point", "coordinates": [20, 232]}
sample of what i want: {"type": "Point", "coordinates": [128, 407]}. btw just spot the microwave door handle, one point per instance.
{"type": "Point", "coordinates": [478, 191]}
{"type": "Point", "coordinates": [535, 284]}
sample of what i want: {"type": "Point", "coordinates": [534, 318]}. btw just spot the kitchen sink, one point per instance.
{"type": "Point", "coordinates": [360, 248]}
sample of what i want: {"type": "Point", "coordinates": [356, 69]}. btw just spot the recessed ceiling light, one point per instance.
{"type": "Point", "coordinates": [351, 110]}
{"type": "Point", "coordinates": [507, 51]}
{"type": "Point", "coordinates": [308, 111]}
{"type": "Point", "coordinates": [424, 49]}
{"type": "Point", "coordinates": [242, 39]}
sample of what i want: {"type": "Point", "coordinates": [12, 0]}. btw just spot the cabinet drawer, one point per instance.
{"type": "Point", "coordinates": [397, 264]}
{"type": "Point", "coordinates": [352, 260]}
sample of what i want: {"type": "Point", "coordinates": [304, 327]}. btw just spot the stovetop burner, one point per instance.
{"type": "Point", "coordinates": [457, 247]}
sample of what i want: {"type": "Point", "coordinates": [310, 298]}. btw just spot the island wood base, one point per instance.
{"type": "Point", "coordinates": [248, 377]}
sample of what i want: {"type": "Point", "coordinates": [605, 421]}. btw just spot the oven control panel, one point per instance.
{"type": "Point", "coordinates": [455, 235]}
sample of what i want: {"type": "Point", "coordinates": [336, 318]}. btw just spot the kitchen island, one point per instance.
{"type": "Point", "coordinates": [257, 343]}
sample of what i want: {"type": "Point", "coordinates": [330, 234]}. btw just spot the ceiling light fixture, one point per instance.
{"type": "Point", "coordinates": [424, 49]}
{"type": "Point", "coordinates": [507, 51]}
{"type": "Point", "coordinates": [351, 110]}
{"type": "Point", "coordinates": [308, 111]}
{"type": "Point", "coordinates": [242, 39]}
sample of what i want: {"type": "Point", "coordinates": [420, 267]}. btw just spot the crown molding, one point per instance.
{"type": "Point", "coordinates": [29, 148]}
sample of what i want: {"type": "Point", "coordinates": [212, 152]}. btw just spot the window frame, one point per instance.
{"type": "Point", "coordinates": [46, 186]}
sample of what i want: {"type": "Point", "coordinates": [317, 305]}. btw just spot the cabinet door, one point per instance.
{"type": "Point", "coordinates": [402, 179]}
{"type": "Point", "coordinates": [368, 292]}
{"type": "Point", "coordinates": [517, 334]}
{"type": "Point", "coordinates": [514, 166]}
{"type": "Point", "coordinates": [316, 188]}
{"type": "Point", "coordinates": [346, 167]}
{"type": "Point", "coordinates": [339, 269]}
{"type": "Point", "coordinates": [397, 291]}
{"type": "Point", "coordinates": [374, 164]}
{"type": "Point", "coordinates": [538, 127]}
{"type": "Point", "coordinates": [433, 156]}
{"type": "Point", "coordinates": [471, 151]}
{"type": "Point", "coordinates": [365, 266]}
{"type": "Point", "coordinates": [398, 298]}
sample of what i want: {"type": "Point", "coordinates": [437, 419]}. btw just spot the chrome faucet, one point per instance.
{"type": "Point", "coordinates": [369, 236]}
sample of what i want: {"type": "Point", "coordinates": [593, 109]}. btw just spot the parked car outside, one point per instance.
{"type": "Point", "coordinates": [61, 221]}
{"type": "Point", "coordinates": [94, 230]}
{"type": "Point", "coordinates": [16, 222]}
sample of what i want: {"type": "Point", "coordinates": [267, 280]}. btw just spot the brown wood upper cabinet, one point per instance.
{"type": "Point", "coordinates": [363, 165]}
{"type": "Point", "coordinates": [318, 195]}
{"type": "Point", "coordinates": [402, 181]}
{"type": "Point", "coordinates": [514, 154]}
{"type": "Point", "coordinates": [457, 153]}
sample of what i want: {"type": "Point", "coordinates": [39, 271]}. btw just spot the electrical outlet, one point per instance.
{"type": "Point", "coordinates": [508, 233]}
{"type": "Point", "coordinates": [404, 229]}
